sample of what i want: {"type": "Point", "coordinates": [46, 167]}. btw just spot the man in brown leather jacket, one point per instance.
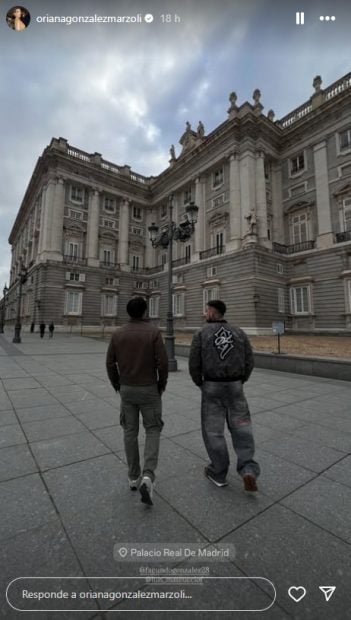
{"type": "Point", "coordinates": [137, 367]}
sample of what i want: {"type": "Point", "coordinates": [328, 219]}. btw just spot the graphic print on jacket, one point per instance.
{"type": "Point", "coordinates": [223, 342]}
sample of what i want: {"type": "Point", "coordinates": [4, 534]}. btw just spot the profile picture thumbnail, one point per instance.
{"type": "Point", "coordinates": [18, 18]}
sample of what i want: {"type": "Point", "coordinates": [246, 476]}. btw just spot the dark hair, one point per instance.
{"type": "Point", "coordinates": [136, 307]}
{"type": "Point", "coordinates": [218, 305]}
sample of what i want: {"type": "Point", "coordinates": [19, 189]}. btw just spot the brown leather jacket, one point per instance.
{"type": "Point", "coordinates": [137, 356]}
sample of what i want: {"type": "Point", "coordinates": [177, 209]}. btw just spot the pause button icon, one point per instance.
{"type": "Point", "coordinates": [300, 18]}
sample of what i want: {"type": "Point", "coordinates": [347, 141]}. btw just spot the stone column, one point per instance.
{"type": "Point", "coordinates": [234, 243]}
{"type": "Point", "coordinates": [278, 231]}
{"type": "Point", "coordinates": [57, 220]}
{"type": "Point", "coordinates": [199, 235]}
{"type": "Point", "coordinates": [325, 234]}
{"type": "Point", "coordinates": [247, 187]}
{"type": "Point", "coordinates": [261, 200]}
{"type": "Point", "coordinates": [123, 253]}
{"type": "Point", "coordinates": [93, 229]}
{"type": "Point", "coordinates": [46, 220]}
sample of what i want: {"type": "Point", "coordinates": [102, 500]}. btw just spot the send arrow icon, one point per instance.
{"type": "Point", "coordinates": [328, 591]}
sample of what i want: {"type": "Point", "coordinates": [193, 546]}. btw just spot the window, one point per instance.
{"type": "Point", "coordinates": [348, 289]}
{"type": "Point", "coordinates": [139, 284]}
{"type": "Point", "coordinates": [75, 215]}
{"type": "Point", "coordinates": [74, 277]}
{"type": "Point", "coordinates": [154, 284]}
{"type": "Point", "coordinates": [281, 300]}
{"type": "Point", "coordinates": [77, 194]}
{"type": "Point", "coordinates": [299, 230]}
{"type": "Point", "coordinates": [72, 249]}
{"type": "Point", "coordinates": [209, 294]}
{"type": "Point", "coordinates": [280, 268]}
{"type": "Point", "coordinates": [137, 231]}
{"type": "Point", "coordinates": [178, 304]}
{"type": "Point", "coordinates": [347, 213]}
{"type": "Point", "coordinates": [297, 164]}
{"type": "Point", "coordinates": [154, 305]}
{"type": "Point", "coordinates": [219, 242]}
{"type": "Point", "coordinates": [109, 223]}
{"type": "Point", "coordinates": [163, 258]}
{"type": "Point", "coordinates": [109, 204]}
{"type": "Point", "coordinates": [217, 177]}
{"type": "Point", "coordinates": [187, 195]}
{"type": "Point", "coordinates": [269, 227]}
{"type": "Point", "coordinates": [107, 257]}
{"type": "Point", "coordinates": [345, 140]}
{"type": "Point", "coordinates": [109, 281]}
{"type": "Point", "coordinates": [211, 272]}
{"type": "Point", "coordinates": [73, 303]}
{"type": "Point", "coordinates": [217, 202]}
{"type": "Point", "coordinates": [135, 263]}
{"type": "Point", "coordinates": [300, 300]}
{"type": "Point", "coordinates": [108, 304]}
{"type": "Point", "coordinates": [137, 213]}
{"type": "Point", "coordinates": [163, 210]}
{"type": "Point", "coordinates": [188, 253]}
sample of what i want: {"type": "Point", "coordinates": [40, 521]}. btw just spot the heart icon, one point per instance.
{"type": "Point", "coordinates": [297, 593]}
{"type": "Point", "coordinates": [123, 552]}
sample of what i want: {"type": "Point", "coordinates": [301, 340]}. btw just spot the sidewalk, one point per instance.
{"type": "Point", "coordinates": [65, 502]}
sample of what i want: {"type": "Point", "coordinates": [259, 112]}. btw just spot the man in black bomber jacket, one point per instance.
{"type": "Point", "coordinates": [220, 361]}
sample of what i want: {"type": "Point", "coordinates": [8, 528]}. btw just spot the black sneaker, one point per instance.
{"type": "Point", "coordinates": [146, 491]}
{"type": "Point", "coordinates": [210, 476]}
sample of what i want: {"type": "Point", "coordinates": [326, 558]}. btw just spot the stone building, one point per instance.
{"type": "Point", "coordinates": [273, 237]}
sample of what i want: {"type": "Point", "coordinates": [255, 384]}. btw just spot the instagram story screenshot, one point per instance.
{"type": "Point", "coordinates": [175, 309]}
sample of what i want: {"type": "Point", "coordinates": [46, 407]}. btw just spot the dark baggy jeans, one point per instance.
{"type": "Point", "coordinates": [226, 402]}
{"type": "Point", "coordinates": [146, 400]}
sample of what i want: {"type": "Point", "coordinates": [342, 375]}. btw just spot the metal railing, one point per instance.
{"type": "Point", "coordinates": [343, 236]}
{"type": "Point", "coordinates": [77, 260]}
{"type": "Point", "coordinates": [107, 264]}
{"type": "Point", "coordinates": [185, 260]}
{"type": "Point", "coordinates": [219, 249]}
{"type": "Point", "coordinates": [293, 248]}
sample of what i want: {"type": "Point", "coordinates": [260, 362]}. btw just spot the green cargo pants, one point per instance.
{"type": "Point", "coordinates": [144, 399]}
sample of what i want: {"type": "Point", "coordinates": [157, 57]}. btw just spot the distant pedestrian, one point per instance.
{"type": "Point", "coordinates": [220, 361]}
{"type": "Point", "coordinates": [137, 367]}
{"type": "Point", "coordinates": [51, 329]}
{"type": "Point", "coordinates": [32, 327]}
{"type": "Point", "coordinates": [42, 329]}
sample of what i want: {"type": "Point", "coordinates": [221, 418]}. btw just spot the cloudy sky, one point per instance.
{"type": "Point", "coordinates": [126, 90]}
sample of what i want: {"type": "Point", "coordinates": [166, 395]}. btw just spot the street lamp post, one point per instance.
{"type": "Point", "coordinates": [22, 278]}
{"type": "Point", "coordinates": [164, 239]}
{"type": "Point", "coordinates": [3, 310]}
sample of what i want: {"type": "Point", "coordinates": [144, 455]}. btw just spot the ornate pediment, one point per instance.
{"type": "Point", "coordinates": [346, 189]}
{"type": "Point", "coordinates": [299, 205]}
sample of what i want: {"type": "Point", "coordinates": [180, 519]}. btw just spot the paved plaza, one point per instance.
{"type": "Point", "coordinates": [65, 502]}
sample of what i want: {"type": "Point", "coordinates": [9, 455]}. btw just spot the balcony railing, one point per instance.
{"type": "Point", "coordinates": [343, 236]}
{"type": "Point", "coordinates": [155, 269]}
{"type": "Point", "coordinates": [77, 260]}
{"type": "Point", "coordinates": [295, 247]}
{"type": "Point", "coordinates": [181, 261]}
{"type": "Point", "coordinates": [107, 264]}
{"type": "Point", "coordinates": [219, 249]}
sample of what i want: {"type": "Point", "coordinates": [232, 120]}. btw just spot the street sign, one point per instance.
{"type": "Point", "coordinates": [278, 327]}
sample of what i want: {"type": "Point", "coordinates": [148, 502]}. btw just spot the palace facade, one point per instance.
{"type": "Point", "coordinates": [273, 237]}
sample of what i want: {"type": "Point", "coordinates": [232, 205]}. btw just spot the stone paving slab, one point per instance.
{"type": "Point", "coordinates": [291, 550]}
{"type": "Point", "coordinates": [303, 452]}
{"type": "Point", "coordinates": [7, 417]}
{"type": "Point", "coordinates": [70, 449]}
{"type": "Point", "coordinates": [49, 429]}
{"type": "Point", "coordinates": [11, 436]}
{"type": "Point", "coordinates": [28, 505]}
{"type": "Point", "coordinates": [64, 489]}
{"type": "Point", "coordinates": [325, 503]}
{"type": "Point", "coordinates": [42, 412]}
{"type": "Point", "coordinates": [340, 472]}
{"type": "Point", "coordinates": [16, 461]}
